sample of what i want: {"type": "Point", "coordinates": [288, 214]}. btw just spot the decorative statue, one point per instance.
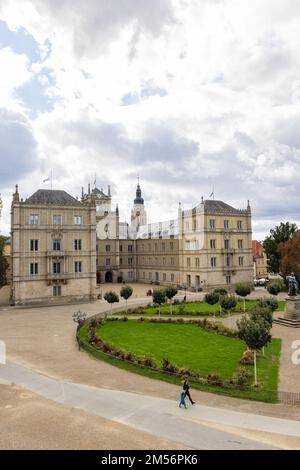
{"type": "Point", "coordinates": [293, 285]}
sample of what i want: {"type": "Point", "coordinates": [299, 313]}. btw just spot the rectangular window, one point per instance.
{"type": "Point", "coordinates": [150, 276]}
{"type": "Point", "coordinates": [228, 279]}
{"type": "Point", "coordinates": [121, 260]}
{"type": "Point", "coordinates": [172, 261]}
{"type": "Point", "coordinates": [197, 262]}
{"type": "Point", "coordinates": [213, 244]}
{"type": "Point", "coordinates": [213, 262]}
{"type": "Point", "coordinates": [188, 262]}
{"type": "Point", "coordinates": [34, 245]}
{"type": "Point", "coordinates": [121, 248]}
{"type": "Point", "coordinates": [33, 219]}
{"type": "Point", "coordinates": [130, 248]}
{"type": "Point", "coordinates": [56, 267]}
{"type": "Point", "coordinates": [107, 248]}
{"type": "Point", "coordinates": [188, 280]}
{"type": "Point", "coordinates": [226, 244]}
{"type": "Point", "coordinates": [212, 223]}
{"type": "Point", "coordinates": [77, 220]}
{"type": "Point", "coordinates": [56, 291]}
{"type": "Point", "coordinates": [164, 261]}
{"type": "Point", "coordinates": [241, 261]}
{"type": "Point", "coordinates": [56, 245]}
{"type": "Point", "coordinates": [130, 261]}
{"type": "Point", "coordinates": [78, 266]}
{"type": "Point", "coordinates": [172, 277]}
{"type": "Point", "coordinates": [157, 276]}
{"type": "Point", "coordinates": [226, 223]}
{"type": "Point", "coordinates": [77, 245]}
{"type": "Point", "coordinates": [164, 277]}
{"type": "Point", "coordinates": [228, 261]}
{"type": "Point", "coordinates": [34, 268]}
{"type": "Point", "coordinates": [171, 246]}
{"type": "Point", "coordinates": [56, 219]}
{"type": "Point", "coordinates": [239, 224]}
{"type": "Point", "coordinates": [163, 247]}
{"type": "Point", "coordinates": [107, 262]}
{"type": "Point", "coordinates": [240, 244]}
{"type": "Point", "coordinates": [130, 275]}
{"type": "Point", "coordinates": [144, 275]}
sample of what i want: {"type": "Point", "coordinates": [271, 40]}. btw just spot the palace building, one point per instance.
{"type": "Point", "coordinates": [62, 247]}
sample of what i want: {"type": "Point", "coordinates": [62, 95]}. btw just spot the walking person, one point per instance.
{"type": "Point", "coordinates": [182, 400]}
{"type": "Point", "coordinates": [186, 389]}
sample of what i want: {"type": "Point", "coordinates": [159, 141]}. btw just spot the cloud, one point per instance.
{"type": "Point", "coordinates": [18, 148]}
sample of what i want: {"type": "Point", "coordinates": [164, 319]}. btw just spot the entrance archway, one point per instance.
{"type": "Point", "coordinates": [108, 276]}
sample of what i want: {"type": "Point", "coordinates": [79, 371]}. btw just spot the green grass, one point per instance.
{"type": "Point", "coordinates": [191, 347]}
{"type": "Point", "coordinates": [201, 307]}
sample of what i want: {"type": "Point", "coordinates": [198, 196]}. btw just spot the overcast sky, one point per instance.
{"type": "Point", "coordinates": [187, 94]}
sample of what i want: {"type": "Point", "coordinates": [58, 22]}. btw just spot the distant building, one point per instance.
{"type": "Point", "coordinates": [53, 247]}
{"type": "Point", "coordinates": [260, 264]}
{"type": "Point", "coordinates": [62, 247]}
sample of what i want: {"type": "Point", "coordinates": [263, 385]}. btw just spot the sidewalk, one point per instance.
{"type": "Point", "coordinates": [196, 427]}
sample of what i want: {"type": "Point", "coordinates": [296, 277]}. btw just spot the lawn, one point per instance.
{"type": "Point", "coordinates": [194, 348]}
{"type": "Point", "coordinates": [201, 307]}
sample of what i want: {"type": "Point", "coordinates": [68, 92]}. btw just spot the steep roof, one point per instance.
{"type": "Point", "coordinates": [52, 197]}
{"type": "Point", "coordinates": [219, 207]}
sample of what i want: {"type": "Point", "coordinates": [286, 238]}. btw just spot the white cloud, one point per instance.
{"type": "Point", "coordinates": [213, 88]}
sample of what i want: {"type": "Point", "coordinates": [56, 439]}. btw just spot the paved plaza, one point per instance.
{"type": "Point", "coordinates": [42, 341]}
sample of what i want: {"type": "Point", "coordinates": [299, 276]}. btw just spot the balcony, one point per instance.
{"type": "Point", "coordinates": [228, 251]}
{"type": "Point", "coordinates": [55, 277]}
{"type": "Point", "coordinates": [57, 253]}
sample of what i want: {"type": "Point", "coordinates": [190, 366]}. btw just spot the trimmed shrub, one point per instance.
{"type": "Point", "coordinates": [214, 379]}
{"type": "Point", "coordinates": [247, 357]}
{"type": "Point", "coordinates": [271, 303]}
{"type": "Point", "coordinates": [167, 366]}
{"type": "Point", "coordinates": [220, 291]}
{"type": "Point", "coordinates": [242, 376]}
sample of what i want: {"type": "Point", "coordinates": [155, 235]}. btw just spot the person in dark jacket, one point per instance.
{"type": "Point", "coordinates": [186, 389]}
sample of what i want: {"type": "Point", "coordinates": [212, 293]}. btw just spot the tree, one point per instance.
{"type": "Point", "coordinates": [126, 292]}
{"type": "Point", "coordinates": [243, 289]}
{"type": "Point", "coordinates": [256, 335]}
{"type": "Point", "coordinates": [212, 298]}
{"type": "Point", "coordinates": [170, 293]}
{"type": "Point", "coordinates": [274, 287]}
{"type": "Point", "coordinates": [228, 302]}
{"type": "Point", "coordinates": [280, 234]}
{"type": "Point", "coordinates": [271, 303]}
{"type": "Point", "coordinates": [265, 314]}
{"type": "Point", "coordinates": [111, 297]}
{"type": "Point", "coordinates": [159, 297]}
{"type": "Point", "coordinates": [3, 262]}
{"type": "Point", "coordinates": [289, 253]}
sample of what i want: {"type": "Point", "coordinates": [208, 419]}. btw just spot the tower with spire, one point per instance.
{"type": "Point", "coordinates": [138, 213]}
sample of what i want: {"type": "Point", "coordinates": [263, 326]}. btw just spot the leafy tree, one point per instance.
{"type": "Point", "coordinates": [159, 297]}
{"type": "Point", "coordinates": [111, 297]}
{"type": "Point", "coordinates": [256, 335]}
{"type": "Point", "coordinates": [264, 314]}
{"type": "Point", "coordinates": [170, 293]}
{"type": "Point", "coordinates": [280, 234]}
{"type": "Point", "coordinates": [271, 303]}
{"type": "Point", "coordinates": [274, 287]}
{"type": "Point", "coordinates": [3, 262]}
{"type": "Point", "coordinates": [212, 298]}
{"type": "Point", "coordinates": [243, 289]}
{"type": "Point", "coordinates": [289, 253]}
{"type": "Point", "coordinates": [126, 292]}
{"type": "Point", "coordinates": [220, 291]}
{"type": "Point", "coordinates": [228, 302]}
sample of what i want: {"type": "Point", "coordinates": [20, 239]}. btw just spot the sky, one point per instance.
{"type": "Point", "coordinates": [190, 95]}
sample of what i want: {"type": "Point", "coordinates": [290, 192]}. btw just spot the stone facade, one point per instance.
{"type": "Point", "coordinates": [62, 247]}
{"type": "Point", "coordinates": [208, 246]}
{"type": "Point", "coordinates": [53, 244]}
